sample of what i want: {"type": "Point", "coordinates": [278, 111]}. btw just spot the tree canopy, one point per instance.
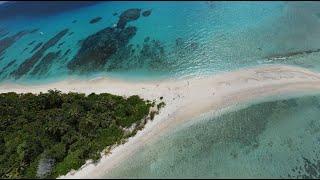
{"type": "Point", "coordinates": [48, 134]}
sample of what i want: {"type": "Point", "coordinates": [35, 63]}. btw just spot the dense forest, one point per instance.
{"type": "Point", "coordinates": [48, 134]}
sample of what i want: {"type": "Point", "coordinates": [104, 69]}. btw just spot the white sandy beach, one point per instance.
{"type": "Point", "coordinates": [185, 99]}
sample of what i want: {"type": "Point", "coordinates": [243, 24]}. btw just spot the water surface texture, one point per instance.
{"type": "Point", "coordinates": [279, 138]}
{"type": "Point", "coordinates": [164, 40]}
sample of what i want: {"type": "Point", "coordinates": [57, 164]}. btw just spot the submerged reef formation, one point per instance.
{"type": "Point", "coordinates": [107, 49]}
{"type": "Point", "coordinates": [95, 20]}
{"type": "Point", "coordinates": [310, 169]}
{"type": "Point", "coordinates": [66, 53]}
{"type": "Point", "coordinates": [127, 16]}
{"type": "Point", "coordinates": [32, 42]}
{"type": "Point", "coordinates": [25, 49]}
{"type": "Point", "coordinates": [290, 54]}
{"type": "Point", "coordinates": [60, 44]}
{"type": "Point", "coordinates": [28, 64]}
{"type": "Point", "coordinates": [146, 13]}
{"type": "Point", "coordinates": [7, 66]}
{"type": "Point", "coordinates": [36, 47]}
{"type": "Point", "coordinates": [151, 54]}
{"type": "Point", "coordinates": [5, 43]}
{"type": "Point", "coordinates": [44, 65]}
{"type": "Point", "coordinates": [34, 30]}
{"type": "Point", "coordinates": [97, 48]}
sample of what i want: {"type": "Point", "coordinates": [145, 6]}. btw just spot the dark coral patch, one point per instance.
{"type": "Point", "coordinates": [194, 46]}
{"type": "Point", "coordinates": [95, 20]}
{"type": "Point", "coordinates": [74, 21]}
{"type": "Point", "coordinates": [115, 14]}
{"type": "Point", "coordinates": [127, 16]}
{"type": "Point", "coordinates": [27, 65]}
{"type": "Point", "coordinates": [79, 43]}
{"type": "Point", "coordinates": [309, 169]}
{"type": "Point", "coordinates": [32, 42]}
{"type": "Point", "coordinates": [7, 66]}
{"type": "Point", "coordinates": [36, 47]}
{"type": "Point", "coordinates": [290, 54]}
{"type": "Point", "coordinates": [153, 51]}
{"type": "Point", "coordinates": [9, 41]}
{"type": "Point", "coordinates": [4, 35]}
{"type": "Point", "coordinates": [25, 49]}
{"type": "Point", "coordinates": [34, 30]}
{"type": "Point", "coordinates": [60, 44]}
{"type": "Point", "coordinates": [70, 33]}
{"type": "Point", "coordinates": [146, 13]}
{"type": "Point", "coordinates": [66, 53]}
{"type": "Point", "coordinates": [97, 48]}
{"type": "Point", "coordinates": [44, 65]}
{"type": "Point", "coordinates": [152, 54]}
{"type": "Point", "coordinates": [146, 39]}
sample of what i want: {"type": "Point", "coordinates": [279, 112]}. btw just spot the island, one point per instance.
{"type": "Point", "coordinates": [48, 134]}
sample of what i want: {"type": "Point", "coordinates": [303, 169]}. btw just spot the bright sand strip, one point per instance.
{"type": "Point", "coordinates": [185, 99]}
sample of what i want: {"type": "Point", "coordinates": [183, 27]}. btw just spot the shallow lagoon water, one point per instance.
{"type": "Point", "coordinates": [198, 38]}
{"type": "Point", "coordinates": [273, 139]}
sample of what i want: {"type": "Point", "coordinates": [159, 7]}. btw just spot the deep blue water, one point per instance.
{"type": "Point", "coordinates": [184, 38]}
{"type": "Point", "coordinates": [11, 10]}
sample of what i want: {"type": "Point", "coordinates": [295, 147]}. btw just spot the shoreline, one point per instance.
{"type": "Point", "coordinates": [185, 99]}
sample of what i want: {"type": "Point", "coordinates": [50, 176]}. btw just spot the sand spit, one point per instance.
{"type": "Point", "coordinates": [185, 99]}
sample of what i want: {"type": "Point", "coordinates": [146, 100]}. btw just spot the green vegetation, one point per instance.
{"type": "Point", "coordinates": [49, 134]}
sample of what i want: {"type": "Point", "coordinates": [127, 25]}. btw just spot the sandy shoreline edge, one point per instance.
{"type": "Point", "coordinates": [185, 99]}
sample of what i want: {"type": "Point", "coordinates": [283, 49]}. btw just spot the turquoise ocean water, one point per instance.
{"type": "Point", "coordinates": [272, 139]}
{"type": "Point", "coordinates": [194, 38]}
{"type": "Point", "coordinates": [279, 138]}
